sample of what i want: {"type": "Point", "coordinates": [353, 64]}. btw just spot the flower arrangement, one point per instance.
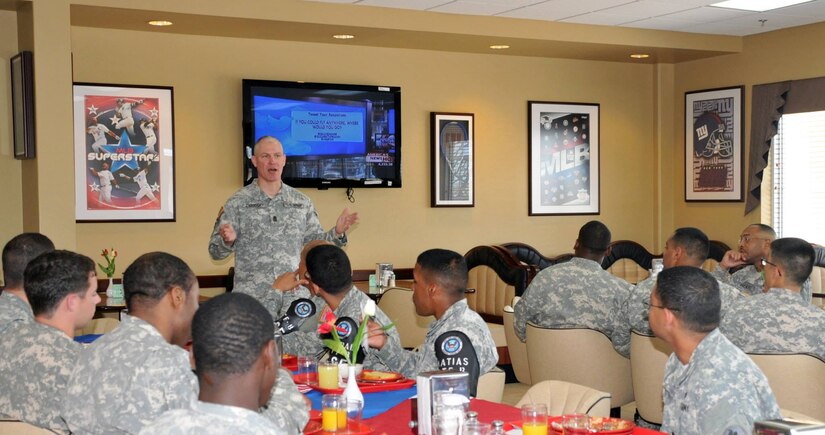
{"type": "Point", "coordinates": [335, 344]}
{"type": "Point", "coordinates": [110, 257]}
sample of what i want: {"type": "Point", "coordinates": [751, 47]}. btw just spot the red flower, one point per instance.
{"type": "Point", "coordinates": [329, 323]}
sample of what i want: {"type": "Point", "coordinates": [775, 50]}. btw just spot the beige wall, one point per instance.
{"type": "Point", "coordinates": [396, 224]}
{"type": "Point", "coordinates": [11, 218]}
{"type": "Point", "coordinates": [795, 53]}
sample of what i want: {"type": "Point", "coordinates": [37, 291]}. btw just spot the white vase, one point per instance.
{"type": "Point", "coordinates": [110, 290]}
{"type": "Point", "coordinates": [352, 392]}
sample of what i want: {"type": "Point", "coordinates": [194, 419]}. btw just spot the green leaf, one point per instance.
{"type": "Point", "coordinates": [388, 327]}
{"type": "Point", "coordinates": [336, 346]}
{"type": "Point", "coordinates": [356, 344]}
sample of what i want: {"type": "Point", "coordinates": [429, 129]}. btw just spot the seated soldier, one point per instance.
{"type": "Point", "coordinates": [457, 340]}
{"type": "Point", "coordinates": [234, 356]}
{"type": "Point", "coordinates": [778, 320]}
{"type": "Point", "coordinates": [295, 290]}
{"type": "Point", "coordinates": [710, 385]}
{"type": "Point", "coordinates": [128, 377]}
{"type": "Point", "coordinates": [577, 293]}
{"type": "Point", "coordinates": [329, 275]}
{"type": "Point", "coordinates": [18, 252]}
{"type": "Point", "coordinates": [38, 356]}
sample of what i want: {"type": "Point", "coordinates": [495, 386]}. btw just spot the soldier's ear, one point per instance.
{"type": "Point", "coordinates": [177, 297]}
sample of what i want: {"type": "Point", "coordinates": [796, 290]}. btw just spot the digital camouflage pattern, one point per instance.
{"type": "Point", "coordinates": [459, 317]}
{"type": "Point", "coordinates": [34, 370]}
{"type": "Point", "coordinates": [13, 309]}
{"type": "Point", "coordinates": [310, 344]}
{"type": "Point", "coordinates": [213, 419]}
{"type": "Point", "coordinates": [576, 293]}
{"type": "Point", "coordinates": [719, 391]}
{"type": "Point", "coordinates": [752, 282]}
{"type": "Point", "coordinates": [270, 235]}
{"type": "Point", "coordinates": [287, 407]}
{"type": "Point", "coordinates": [776, 321]}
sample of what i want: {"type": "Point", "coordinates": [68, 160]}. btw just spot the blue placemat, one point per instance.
{"type": "Point", "coordinates": [374, 403]}
{"type": "Point", "coordinates": [88, 338]}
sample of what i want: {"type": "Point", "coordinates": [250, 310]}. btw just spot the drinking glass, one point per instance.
{"type": "Point", "coordinates": [475, 428]}
{"type": "Point", "coordinates": [446, 424]}
{"type": "Point", "coordinates": [534, 419]}
{"type": "Point", "coordinates": [328, 375]}
{"type": "Point", "coordinates": [575, 423]}
{"type": "Point", "coordinates": [333, 412]}
{"type": "Point", "coordinates": [354, 410]}
{"type": "Point", "coordinates": [307, 368]}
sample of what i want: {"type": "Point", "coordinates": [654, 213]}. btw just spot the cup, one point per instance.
{"type": "Point", "coordinates": [354, 410]}
{"type": "Point", "coordinates": [307, 368]}
{"type": "Point", "coordinates": [446, 424]}
{"type": "Point", "coordinates": [334, 412]}
{"type": "Point", "coordinates": [534, 419]}
{"type": "Point", "coordinates": [475, 428]}
{"type": "Point", "coordinates": [575, 423]}
{"type": "Point", "coordinates": [328, 375]}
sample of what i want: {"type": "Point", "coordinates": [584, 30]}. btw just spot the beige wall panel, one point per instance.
{"type": "Point", "coordinates": [11, 196]}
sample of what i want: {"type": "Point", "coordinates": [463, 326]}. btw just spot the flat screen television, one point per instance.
{"type": "Point", "coordinates": [333, 135]}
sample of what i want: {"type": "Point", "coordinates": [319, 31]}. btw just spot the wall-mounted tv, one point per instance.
{"type": "Point", "coordinates": [333, 135]}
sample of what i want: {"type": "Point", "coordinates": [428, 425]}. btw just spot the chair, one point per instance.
{"type": "Point", "coordinates": [531, 256]}
{"type": "Point", "coordinates": [515, 347]}
{"type": "Point", "coordinates": [396, 303]}
{"type": "Point", "coordinates": [566, 398]}
{"type": "Point", "coordinates": [581, 356]}
{"type": "Point", "coordinates": [100, 325]}
{"type": "Point", "coordinates": [628, 260]}
{"type": "Point", "coordinates": [17, 427]}
{"type": "Point", "coordinates": [797, 381]}
{"type": "Point", "coordinates": [648, 356]}
{"type": "Point", "coordinates": [491, 385]}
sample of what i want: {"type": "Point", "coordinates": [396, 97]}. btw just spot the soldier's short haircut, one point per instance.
{"type": "Point", "coordinates": [147, 280]}
{"type": "Point", "coordinates": [693, 241]}
{"type": "Point", "coordinates": [447, 268]}
{"type": "Point", "coordinates": [766, 230]}
{"type": "Point", "coordinates": [329, 268]}
{"type": "Point", "coordinates": [796, 257]}
{"type": "Point", "coordinates": [52, 276]}
{"type": "Point", "coordinates": [228, 333]}
{"type": "Point", "coordinates": [692, 295]}
{"type": "Point", "coordinates": [262, 139]}
{"type": "Point", "coordinates": [18, 252]}
{"type": "Point", "coordinates": [594, 236]}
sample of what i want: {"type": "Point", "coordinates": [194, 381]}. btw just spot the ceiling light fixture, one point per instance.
{"type": "Point", "coordinates": [757, 5]}
{"type": "Point", "coordinates": [640, 55]}
{"type": "Point", "coordinates": [159, 23]}
{"type": "Point", "coordinates": [343, 36]}
{"type": "Point", "coordinates": [500, 47]}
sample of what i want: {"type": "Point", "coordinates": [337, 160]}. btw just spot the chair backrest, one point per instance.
{"type": "Point", "coordinates": [100, 325]}
{"type": "Point", "coordinates": [515, 347]}
{"type": "Point", "coordinates": [397, 304]}
{"type": "Point", "coordinates": [648, 356]}
{"type": "Point", "coordinates": [531, 256]}
{"type": "Point", "coordinates": [628, 260]}
{"type": "Point", "coordinates": [581, 356]}
{"type": "Point", "coordinates": [797, 381]}
{"type": "Point", "coordinates": [497, 276]}
{"type": "Point", "coordinates": [17, 427]}
{"type": "Point", "coordinates": [491, 385]}
{"type": "Point", "coordinates": [567, 398]}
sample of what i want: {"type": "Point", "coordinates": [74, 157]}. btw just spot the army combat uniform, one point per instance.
{"type": "Point", "coordinates": [752, 282]}
{"type": "Point", "coordinates": [270, 235]}
{"type": "Point", "coordinates": [776, 321]}
{"type": "Point", "coordinates": [576, 293]}
{"type": "Point", "coordinates": [13, 309]}
{"type": "Point", "coordinates": [210, 418]}
{"type": "Point", "coordinates": [35, 367]}
{"type": "Point", "coordinates": [719, 391]}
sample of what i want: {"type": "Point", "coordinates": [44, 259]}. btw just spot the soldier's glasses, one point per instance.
{"type": "Point", "coordinates": [745, 238]}
{"type": "Point", "coordinates": [765, 262]}
{"type": "Point", "coordinates": [648, 305]}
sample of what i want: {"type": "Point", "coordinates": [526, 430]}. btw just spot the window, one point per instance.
{"type": "Point", "coordinates": [797, 178]}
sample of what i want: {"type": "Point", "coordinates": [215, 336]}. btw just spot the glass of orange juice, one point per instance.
{"type": "Point", "coordinates": [334, 413]}
{"type": "Point", "coordinates": [534, 419]}
{"type": "Point", "coordinates": [328, 375]}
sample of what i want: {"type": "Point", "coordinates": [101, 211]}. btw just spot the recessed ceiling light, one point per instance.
{"type": "Point", "coordinates": [159, 23]}
{"type": "Point", "coordinates": [757, 5]}
{"type": "Point", "coordinates": [640, 55]}
{"type": "Point", "coordinates": [343, 36]}
{"type": "Point", "coordinates": [500, 47]}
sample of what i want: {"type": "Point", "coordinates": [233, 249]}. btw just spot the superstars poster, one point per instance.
{"type": "Point", "coordinates": [124, 153]}
{"type": "Point", "coordinates": [564, 158]}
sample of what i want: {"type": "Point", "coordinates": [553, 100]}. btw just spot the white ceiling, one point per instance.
{"type": "Point", "coordinates": [678, 15]}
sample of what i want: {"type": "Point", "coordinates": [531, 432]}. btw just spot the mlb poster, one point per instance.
{"type": "Point", "coordinates": [713, 145]}
{"type": "Point", "coordinates": [564, 158]}
{"type": "Point", "coordinates": [124, 153]}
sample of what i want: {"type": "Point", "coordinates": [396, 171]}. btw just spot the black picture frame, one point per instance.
{"type": "Point", "coordinates": [22, 97]}
{"type": "Point", "coordinates": [452, 160]}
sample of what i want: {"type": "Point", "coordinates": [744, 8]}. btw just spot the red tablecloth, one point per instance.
{"type": "Point", "coordinates": [396, 420]}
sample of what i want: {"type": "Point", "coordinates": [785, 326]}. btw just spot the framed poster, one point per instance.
{"type": "Point", "coordinates": [22, 97]}
{"type": "Point", "coordinates": [124, 144]}
{"type": "Point", "coordinates": [713, 145]}
{"type": "Point", "coordinates": [563, 168]}
{"type": "Point", "coordinates": [452, 167]}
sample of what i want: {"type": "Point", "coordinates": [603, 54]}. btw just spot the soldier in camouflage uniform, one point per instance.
{"type": "Point", "coordinates": [440, 280]}
{"type": "Point", "coordinates": [330, 276]}
{"type": "Point", "coordinates": [577, 293]}
{"type": "Point", "coordinates": [710, 385]}
{"type": "Point", "coordinates": [233, 385]}
{"type": "Point", "coordinates": [754, 244]}
{"type": "Point", "coordinates": [18, 252]}
{"type": "Point", "coordinates": [266, 224]}
{"type": "Point", "coordinates": [686, 247]}
{"type": "Point", "coordinates": [38, 356]}
{"type": "Point", "coordinates": [778, 320]}
{"type": "Point", "coordinates": [301, 291]}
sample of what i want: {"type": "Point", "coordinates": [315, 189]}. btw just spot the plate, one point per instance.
{"type": "Point", "coordinates": [603, 425]}
{"type": "Point", "coordinates": [379, 376]}
{"type": "Point", "coordinates": [315, 415]}
{"type": "Point", "coordinates": [315, 428]}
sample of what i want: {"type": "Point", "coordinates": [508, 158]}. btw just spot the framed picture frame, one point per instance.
{"type": "Point", "coordinates": [713, 145]}
{"type": "Point", "coordinates": [124, 148]}
{"type": "Point", "coordinates": [22, 97]}
{"type": "Point", "coordinates": [452, 159]}
{"type": "Point", "coordinates": [563, 168]}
